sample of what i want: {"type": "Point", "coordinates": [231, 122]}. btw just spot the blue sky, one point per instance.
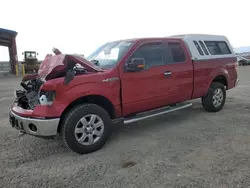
{"type": "Point", "coordinates": [78, 26]}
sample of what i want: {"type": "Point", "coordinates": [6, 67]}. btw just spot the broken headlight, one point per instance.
{"type": "Point", "coordinates": [47, 97]}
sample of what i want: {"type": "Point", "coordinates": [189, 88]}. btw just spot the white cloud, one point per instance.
{"type": "Point", "coordinates": [80, 26]}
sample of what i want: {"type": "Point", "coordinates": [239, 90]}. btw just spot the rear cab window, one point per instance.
{"type": "Point", "coordinates": [177, 52]}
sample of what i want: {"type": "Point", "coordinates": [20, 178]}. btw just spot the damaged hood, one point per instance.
{"type": "Point", "coordinates": [57, 64]}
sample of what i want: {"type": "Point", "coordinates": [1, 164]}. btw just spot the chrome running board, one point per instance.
{"type": "Point", "coordinates": [156, 112]}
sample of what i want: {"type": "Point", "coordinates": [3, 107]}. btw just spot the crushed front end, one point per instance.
{"type": "Point", "coordinates": [38, 106]}
{"type": "Point", "coordinates": [24, 115]}
{"type": "Point", "coordinates": [28, 97]}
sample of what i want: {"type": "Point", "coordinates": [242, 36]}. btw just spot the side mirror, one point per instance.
{"type": "Point", "coordinates": [36, 53]}
{"type": "Point", "coordinates": [69, 77]}
{"type": "Point", "coordinates": [22, 53]}
{"type": "Point", "coordinates": [135, 65]}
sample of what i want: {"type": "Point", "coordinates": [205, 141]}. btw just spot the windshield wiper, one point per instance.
{"type": "Point", "coordinates": [96, 62]}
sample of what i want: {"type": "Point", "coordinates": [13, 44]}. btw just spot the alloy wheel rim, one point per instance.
{"type": "Point", "coordinates": [218, 97]}
{"type": "Point", "coordinates": [89, 129]}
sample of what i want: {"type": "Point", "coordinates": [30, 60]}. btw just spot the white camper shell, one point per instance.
{"type": "Point", "coordinates": [204, 46]}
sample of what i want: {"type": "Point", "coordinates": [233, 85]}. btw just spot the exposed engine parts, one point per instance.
{"type": "Point", "coordinates": [29, 97]}
{"type": "Point", "coordinates": [58, 66]}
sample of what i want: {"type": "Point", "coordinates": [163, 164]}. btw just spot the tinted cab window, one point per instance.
{"type": "Point", "coordinates": [157, 54]}
{"type": "Point", "coordinates": [177, 52]}
{"type": "Point", "coordinates": [152, 53]}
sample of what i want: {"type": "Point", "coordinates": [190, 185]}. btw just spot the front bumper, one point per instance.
{"type": "Point", "coordinates": [36, 127]}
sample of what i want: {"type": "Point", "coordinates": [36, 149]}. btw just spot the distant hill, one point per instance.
{"type": "Point", "coordinates": [242, 49]}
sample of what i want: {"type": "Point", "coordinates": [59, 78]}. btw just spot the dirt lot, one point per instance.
{"type": "Point", "coordinates": [189, 148]}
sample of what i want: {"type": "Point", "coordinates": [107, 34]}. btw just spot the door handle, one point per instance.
{"type": "Point", "coordinates": [167, 73]}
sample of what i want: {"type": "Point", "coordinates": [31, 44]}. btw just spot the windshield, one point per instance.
{"type": "Point", "coordinates": [108, 55]}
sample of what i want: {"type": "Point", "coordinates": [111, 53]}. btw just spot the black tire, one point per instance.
{"type": "Point", "coordinates": [207, 101]}
{"type": "Point", "coordinates": [69, 123]}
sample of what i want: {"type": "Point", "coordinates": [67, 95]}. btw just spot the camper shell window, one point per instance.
{"type": "Point", "coordinates": [203, 47]}
{"type": "Point", "coordinates": [198, 47]}
{"type": "Point", "coordinates": [217, 47]}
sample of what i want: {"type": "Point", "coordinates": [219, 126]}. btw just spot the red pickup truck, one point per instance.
{"type": "Point", "coordinates": [122, 81]}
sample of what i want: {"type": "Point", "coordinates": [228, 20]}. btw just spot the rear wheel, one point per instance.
{"type": "Point", "coordinates": [86, 128]}
{"type": "Point", "coordinates": [215, 98]}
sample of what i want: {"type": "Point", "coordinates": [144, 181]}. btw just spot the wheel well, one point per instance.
{"type": "Point", "coordinates": [93, 99]}
{"type": "Point", "coordinates": [221, 79]}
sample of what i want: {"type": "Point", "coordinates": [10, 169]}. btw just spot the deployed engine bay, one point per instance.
{"type": "Point", "coordinates": [29, 96]}
{"type": "Point", "coordinates": [58, 66]}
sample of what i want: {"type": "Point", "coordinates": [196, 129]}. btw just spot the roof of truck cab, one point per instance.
{"type": "Point", "coordinates": [189, 39]}
{"type": "Point", "coordinates": [146, 39]}
{"type": "Point", "coordinates": [180, 37]}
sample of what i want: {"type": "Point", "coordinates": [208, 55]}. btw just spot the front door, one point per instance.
{"type": "Point", "coordinates": [148, 88]}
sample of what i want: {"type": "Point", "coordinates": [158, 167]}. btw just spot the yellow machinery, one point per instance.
{"type": "Point", "coordinates": [30, 63]}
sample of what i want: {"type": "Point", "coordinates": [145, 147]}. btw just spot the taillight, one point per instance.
{"type": "Point", "coordinates": [236, 66]}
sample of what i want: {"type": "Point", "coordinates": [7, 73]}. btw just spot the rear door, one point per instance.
{"type": "Point", "coordinates": [179, 70]}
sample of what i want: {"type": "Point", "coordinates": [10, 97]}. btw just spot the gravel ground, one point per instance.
{"type": "Point", "coordinates": [189, 148]}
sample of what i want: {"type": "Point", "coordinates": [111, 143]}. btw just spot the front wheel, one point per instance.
{"type": "Point", "coordinates": [86, 128]}
{"type": "Point", "coordinates": [215, 98]}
